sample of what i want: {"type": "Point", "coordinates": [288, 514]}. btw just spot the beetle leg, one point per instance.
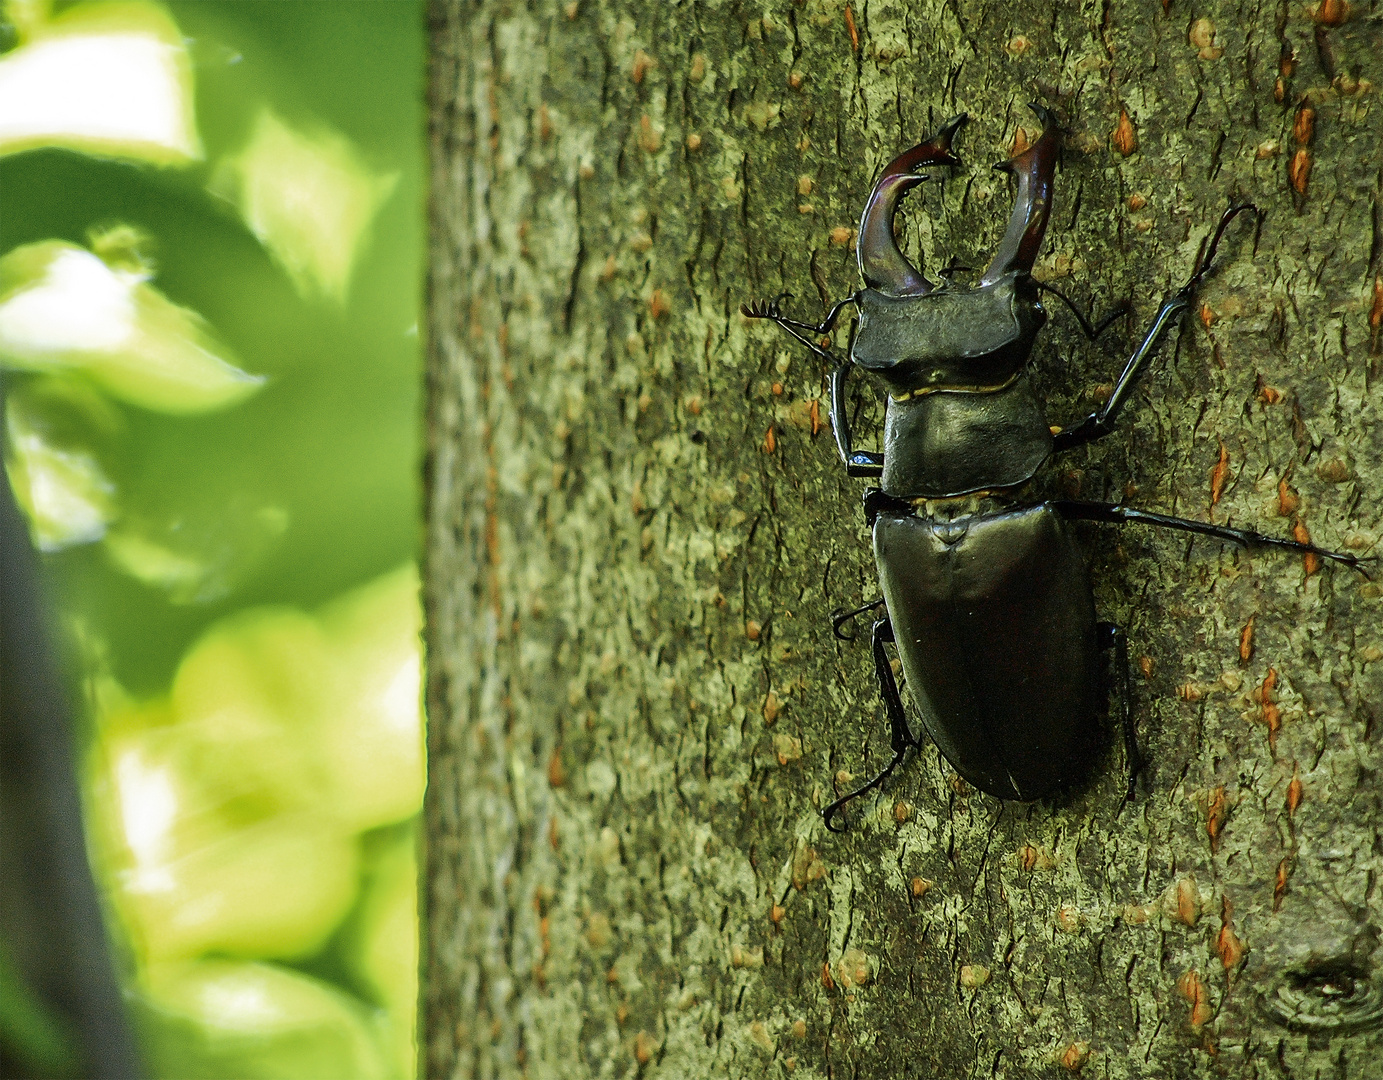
{"type": "Point", "coordinates": [769, 309]}
{"type": "Point", "coordinates": [1115, 514]}
{"type": "Point", "coordinates": [900, 735]}
{"type": "Point", "coordinates": [857, 462]}
{"type": "Point", "coordinates": [876, 502]}
{"type": "Point", "coordinates": [1101, 423]}
{"type": "Point", "coordinates": [840, 617]}
{"type": "Point", "coordinates": [1114, 638]}
{"type": "Point", "coordinates": [825, 325]}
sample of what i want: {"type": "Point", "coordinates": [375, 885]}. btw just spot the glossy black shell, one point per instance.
{"type": "Point", "coordinates": [960, 339]}
{"type": "Point", "coordinates": [952, 443]}
{"type": "Point", "coordinates": [995, 624]}
{"type": "Point", "coordinates": [961, 414]}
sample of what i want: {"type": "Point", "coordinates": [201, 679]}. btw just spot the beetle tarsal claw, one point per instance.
{"type": "Point", "coordinates": [764, 309]}
{"type": "Point", "coordinates": [838, 806]}
{"type": "Point", "coordinates": [1206, 257]}
{"type": "Point", "coordinates": [839, 617]}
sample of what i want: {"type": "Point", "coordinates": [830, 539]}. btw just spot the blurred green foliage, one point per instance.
{"type": "Point", "coordinates": [210, 268]}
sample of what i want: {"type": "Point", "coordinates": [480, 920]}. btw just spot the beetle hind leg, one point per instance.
{"type": "Point", "coordinates": [900, 735]}
{"type": "Point", "coordinates": [840, 617]}
{"type": "Point", "coordinates": [1113, 638]}
{"type": "Point", "coordinates": [1118, 514]}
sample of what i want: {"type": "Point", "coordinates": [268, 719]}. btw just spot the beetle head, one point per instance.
{"type": "Point", "coordinates": [918, 338]}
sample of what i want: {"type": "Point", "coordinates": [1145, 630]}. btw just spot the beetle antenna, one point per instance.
{"type": "Point", "coordinates": [1091, 332]}
{"type": "Point", "coordinates": [769, 311]}
{"type": "Point", "coordinates": [773, 310]}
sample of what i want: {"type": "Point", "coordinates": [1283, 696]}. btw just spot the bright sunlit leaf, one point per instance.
{"type": "Point", "coordinates": [275, 889]}
{"type": "Point", "coordinates": [202, 863]}
{"type": "Point", "coordinates": [372, 729]}
{"type": "Point", "coordinates": [322, 713]}
{"type": "Point", "coordinates": [62, 489]}
{"type": "Point", "coordinates": [252, 690]}
{"type": "Point", "coordinates": [231, 813]}
{"type": "Point", "coordinates": [63, 309]}
{"type": "Point", "coordinates": [28, 17]}
{"type": "Point", "coordinates": [308, 197]}
{"type": "Point", "coordinates": [108, 78]}
{"type": "Point", "coordinates": [255, 1022]}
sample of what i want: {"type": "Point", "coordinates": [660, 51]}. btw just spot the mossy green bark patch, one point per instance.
{"type": "Point", "coordinates": [638, 524]}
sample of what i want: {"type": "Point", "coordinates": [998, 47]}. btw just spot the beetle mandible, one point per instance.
{"type": "Point", "coordinates": [987, 599]}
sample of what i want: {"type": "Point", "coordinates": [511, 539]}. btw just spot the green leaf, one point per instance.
{"type": "Point", "coordinates": [64, 309]}
{"type": "Point", "coordinates": [380, 941]}
{"type": "Point", "coordinates": [216, 1019]}
{"type": "Point", "coordinates": [60, 485]}
{"type": "Point", "coordinates": [308, 197]}
{"type": "Point", "coordinates": [105, 78]}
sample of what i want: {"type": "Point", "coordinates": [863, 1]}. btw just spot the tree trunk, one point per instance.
{"type": "Point", "coordinates": [638, 524]}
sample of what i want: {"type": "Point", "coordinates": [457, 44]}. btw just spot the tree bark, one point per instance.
{"type": "Point", "coordinates": [637, 525]}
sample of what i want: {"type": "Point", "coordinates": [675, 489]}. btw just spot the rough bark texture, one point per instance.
{"type": "Point", "coordinates": [637, 526]}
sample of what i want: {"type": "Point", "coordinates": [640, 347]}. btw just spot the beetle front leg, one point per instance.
{"type": "Point", "coordinates": [900, 735]}
{"type": "Point", "coordinates": [857, 462]}
{"type": "Point", "coordinates": [1101, 423]}
{"type": "Point", "coordinates": [769, 309]}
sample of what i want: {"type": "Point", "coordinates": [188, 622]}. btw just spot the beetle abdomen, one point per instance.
{"type": "Point", "coordinates": [995, 624]}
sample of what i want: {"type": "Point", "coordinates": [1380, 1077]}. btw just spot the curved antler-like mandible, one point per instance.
{"type": "Point", "coordinates": [1033, 168]}
{"type": "Point", "coordinates": [882, 264]}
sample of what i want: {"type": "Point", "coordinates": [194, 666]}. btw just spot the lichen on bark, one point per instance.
{"type": "Point", "coordinates": [637, 525]}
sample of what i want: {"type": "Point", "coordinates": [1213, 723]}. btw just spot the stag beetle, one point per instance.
{"type": "Point", "coordinates": [987, 600]}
